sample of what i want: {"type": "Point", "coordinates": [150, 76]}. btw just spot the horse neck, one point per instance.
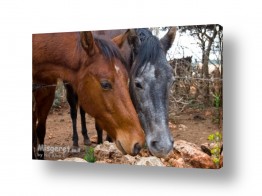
{"type": "Point", "coordinates": [48, 74]}
{"type": "Point", "coordinates": [63, 59]}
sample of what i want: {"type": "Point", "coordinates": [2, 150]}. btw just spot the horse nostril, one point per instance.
{"type": "Point", "coordinates": [136, 149]}
{"type": "Point", "coordinates": [160, 148]}
{"type": "Point", "coordinates": [154, 144]}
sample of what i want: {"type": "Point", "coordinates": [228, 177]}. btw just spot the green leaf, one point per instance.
{"type": "Point", "coordinates": [219, 135]}
{"type": "Point", "coordinates": [213, 151]}
{"type": "Point", "coordinates": [215, 160]}
{"type": "Point", "coordinates": [217, 138]}
{"type": "Point", "coordinates": [211, 137]}
{"type": "Point", "coordinates": [89, 155]}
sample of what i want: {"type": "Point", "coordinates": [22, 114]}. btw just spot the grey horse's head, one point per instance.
{"type": "Point", "coordinates": [150, 80]}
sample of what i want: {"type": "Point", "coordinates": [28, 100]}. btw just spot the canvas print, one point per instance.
{"type": "Point", "coordinates": [141, 97]}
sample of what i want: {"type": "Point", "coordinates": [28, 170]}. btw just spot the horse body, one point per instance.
{"type": "Point", "coordinates": [96, 70]}
{"type": "Point", "coordinates": [150, 79]}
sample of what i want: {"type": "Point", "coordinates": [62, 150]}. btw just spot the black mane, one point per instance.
{"type": "Point", "coordinates": [149, 50]}
{"type": "Point", "coordinates": [110, 51]}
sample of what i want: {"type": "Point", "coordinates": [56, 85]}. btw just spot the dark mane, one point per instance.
{"type": "Point", "coordinates": [149, 51]}
{"type": "Point", "coordinates": [110, 51]}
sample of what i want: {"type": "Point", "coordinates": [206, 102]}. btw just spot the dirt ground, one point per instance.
{"type": "Point", "coordinates": [192, 125]}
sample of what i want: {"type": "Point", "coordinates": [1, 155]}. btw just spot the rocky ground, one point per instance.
{"type": "Point", "coordinates": [184, 155]}
{"type": "Point", "coordinates": [189, 129]}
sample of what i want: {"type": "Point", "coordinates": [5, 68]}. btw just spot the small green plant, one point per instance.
{"type": "Point", "coordinates": [89, 155]}
{"type": "Point", "coordinates": [217, 103]}
{"type": "Point", "coordinates": [217, 100]}
{"type": "Point", "coordinates": [215, 150]}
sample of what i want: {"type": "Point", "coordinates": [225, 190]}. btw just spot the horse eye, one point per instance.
{"type": "Point", "coordinates": [138, 85]}
{"type": "Point", "coordinates": [106, 85]}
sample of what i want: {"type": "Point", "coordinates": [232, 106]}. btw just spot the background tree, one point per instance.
{"type": "Point", "coordinates": [206, 36]}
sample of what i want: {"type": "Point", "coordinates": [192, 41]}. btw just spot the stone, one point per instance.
{"type": "Point", "coordinates": [179, 163]}
{"type": "Point", "coordinates": [208, 113]}
{"type": "Point", "coordinates": [74, 159]}
{"type": "Point", "coordinates": [107, 150]}
{"type": "Point", "coordinates": [93, 139]}
{"type": "Point", "coordinates": [171, 125]}
{"type": "Point", "coordinates": [209, 146]}
{"type": "Point", "coordinates": [182, 127]}
{"type": "Point", "coordinates": [128, 159]}
{"type": "Point", "coordinates": [183, 143]}
{"type": "Point", "coordinates": [221, 161]}
{"type": "Point", "coordinates": [206, 148]}
{"type": "Point", "coordinates": [149, 161]}
{"type": "Point", "coordinates": [193, 155]}
{"type": "Point", "coordinates": [103, 162]}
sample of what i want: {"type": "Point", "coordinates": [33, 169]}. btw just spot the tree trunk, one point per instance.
{"type": "Point", "coordinates": [205, 68]}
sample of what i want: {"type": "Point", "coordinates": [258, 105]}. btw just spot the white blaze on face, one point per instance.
{"type": "Point", "coordinates": [150, 71]}
{"type": "Point", "coordinates": [117, 68]}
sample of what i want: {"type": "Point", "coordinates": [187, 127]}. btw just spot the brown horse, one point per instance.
{"type": "Point", "coordinates": [96, 70]}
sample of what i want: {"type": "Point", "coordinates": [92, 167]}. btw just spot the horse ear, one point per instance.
{"type": "Point", "coordinates": [133, 40]}
{"type": "Point", "coordinates": [168, 39]}
{"type": "Point", "coordinates": [120, 39]}
{"type": "Point", "coordinates": [88, 42]}
{"type": "Point", "coordinates": [132, 37]}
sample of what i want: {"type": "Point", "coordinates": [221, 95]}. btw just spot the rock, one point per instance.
{"type": "Point", "coordinates": [144, 153]}
{"type": "Point", "coordinates": [206, 148]}
{"type": "Point", "coordinates": [149, 161]}
{"type": "Point", "coordinates": [128, 159]}
{"type": "Point", "coordinates": [202, 162]}
{"type": "Point", "coordinates": [93, 139]}
{"type": "Point", "coordinates": [50, 136]}
{"type": "Point", "coordinates": [107, 150]}
{"type": "Point", "coordinates": [208, 113]}
{"type": "Point", "coordinates": [179, 163]}
{"type": "Point", "coordinates": [103, 162]}
{"type": "Point", "coordinates": [75, 159]}
{"type": "Point", "coordinates": [171, 125]}
{"type": "Point", "coordinates": [182, 127]}
{"type": "Point", "coordinates": [183, 143]}
{"type": "Point", "coordinates": [193, 155]}
{"type": "Point", "coordinates": [221, 161]}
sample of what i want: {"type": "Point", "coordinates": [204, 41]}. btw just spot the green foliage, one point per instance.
{"type": "Point", "coordinates": [216, 139]}
{"type": "Point", "coordinates": [89, 155]}
{"type": "Point", "coordinates": [217, 104]}
{"type": "Point", "coordinates": [216, 160]}
{"type": "Point", "coordinates": [217, 100]}
{"type": "Point", "coordinates": [211, 137]}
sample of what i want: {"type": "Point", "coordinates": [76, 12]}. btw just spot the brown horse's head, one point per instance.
{"type": "Point", "coordinates": [102, 87]}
